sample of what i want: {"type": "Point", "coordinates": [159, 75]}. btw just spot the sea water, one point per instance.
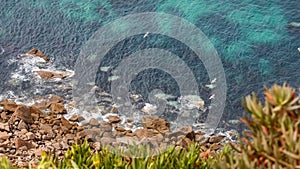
{"type": "Point", "coordinates": [256, 41]}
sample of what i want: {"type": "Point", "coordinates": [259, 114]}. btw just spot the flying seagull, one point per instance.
{"type": "Point", "coordinates": [146, 34]}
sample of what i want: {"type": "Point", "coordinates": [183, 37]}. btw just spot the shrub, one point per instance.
{"type": "Point", "coordinates": [274, 139]}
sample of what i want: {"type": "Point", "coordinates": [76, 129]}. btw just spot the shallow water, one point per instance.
{"type": "Point", "coordinates": [253, 38]}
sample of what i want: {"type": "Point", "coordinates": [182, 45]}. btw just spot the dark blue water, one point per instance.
{"type": "Point", "coordinates": [254, 39]}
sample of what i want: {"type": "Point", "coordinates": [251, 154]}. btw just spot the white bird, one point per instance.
{"type": "Point", "coordinates": [146, 34]}
{"type": "Point", "coordinates": [299, 49]}
{"type": "Point", "coordinates": [2, 50]}
{"type": "Point", "coordinates": [210, 86]}
{"type": "Point", "coordinates": [212, 97]}
{"type": "Point", "coordinates": [214, 81]}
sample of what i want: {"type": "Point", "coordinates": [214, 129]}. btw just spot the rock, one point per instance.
{"type": "Point", "coordinates": [9, 105]}
{"type": "Point", "coordinates": [149, 109]}
{"type": "Point", "coordinates": [22, 113]}
{"type": "Point", "coordinates": [42, 104]}
{"type": "Point", "coordinates": [49, 74]}
{"type": "Point", "coordinates": [4, 116]}
{"type": "Point", "coordinates": [45, 74]}
{"type": "Point", "coordinates": [23, 148]}
{"type": "Point", "coordinates": [198, 138]}
{"type": "Point", "coordinates": [66, 123]}
{"type": "Point", "coordinates": [36, 113]}
{"type": "Point", "coordinates": [4, 135]}
{"type": "Point", "coordinates": [127, 140]}
{"type": "Point", "coordinates": [64, 145]}
{"type": "Point", "coordinates": [191, 102]}
{"type": "Point", "coordinates": [24, 131]}
{"type": "Point", "coordinates": [129, 120]}
{"type": "Point", "coordinates": [114, 109]}
{"type": "Point", "coordinates": [216, 139]}
{"type": "Point", "coordinates": [55, 99]}
{"type": "Point", "coordinates": [188, 132]}
{"type": "Point", "coordinates": [46, 128]}
{"type": "Point", "coordinates": [4, 127]}
{"type": "Point", "coordinates": [81, 134]}
{"type": "Point", "coordinates": [215, 147]}
{"type": "Point", "coordinates": [37, 53]}
{"type": "Point", "coordinates": [57, 146]}
{"type": "Point", "coordinates": [91, 132]}
{"type": "Point", "coordinates": [70, 137]}
{"type": "Point", "coordinates": [20, 143]}
{"type": "Point", "coordinates": [120, 129]}
{"type": "Point", "coordinates": [30, 136]}
{"type": "Point", "coordinates": [107, 140]}
{"type": "Point", "coordinates": [145, 133]}
{"type": "Point", "coordinates": [93, 122]}
{"type": "Point", "coordinates": [114, 119]}
{"type": "Point", "coordinates": [154, 122]}
{"type": "Point", "coordinates": [76, 118]}
{"type": "Point", "coordinates": [22, 126]}
{"type": "Point", "coordinates": [58, 108]}
{"type": "Point", "coordinates": [158, 137]}
{"type": "Point", "coordinates": [45, 101]}
{"type": "Point", "coordinates": [185, 143]}
{"type": "Point", "coordinates": [96, 146]}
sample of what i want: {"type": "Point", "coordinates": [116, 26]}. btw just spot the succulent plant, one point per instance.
{"type": "Point", "coordinates": [274, 139]}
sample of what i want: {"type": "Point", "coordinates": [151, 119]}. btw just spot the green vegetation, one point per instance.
{"type": "Point", "coordinates": [274, 138]}
{"type": "Point", "coordinates": [273, 141]}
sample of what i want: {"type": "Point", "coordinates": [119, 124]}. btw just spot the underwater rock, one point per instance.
{"type": "Point", "coordinates": [37, 53]}
{"type": "Point", "coordinates": [294, 24]}
{"type": "Point", "coordinates": [191, 102]}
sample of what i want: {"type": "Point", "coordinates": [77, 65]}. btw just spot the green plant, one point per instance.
{"type": "Point", "coordinates": [80, 156]}
{"type": "Point", "coordinates": [274, 139]}
{"type": "Point", "coordinates": [4, 163]}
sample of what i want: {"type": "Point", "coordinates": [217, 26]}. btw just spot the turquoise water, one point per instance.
{"type": "Point", "coordinates": [253, 38]}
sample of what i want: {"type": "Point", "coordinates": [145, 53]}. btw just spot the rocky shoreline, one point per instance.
{"type": "Point", "coordinates": [26, 131]}
{"type": "Point", "coordinates": [48, 123]}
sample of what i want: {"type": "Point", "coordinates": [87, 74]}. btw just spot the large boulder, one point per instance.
{"type": "Point", "coordinates": [22, 113]}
